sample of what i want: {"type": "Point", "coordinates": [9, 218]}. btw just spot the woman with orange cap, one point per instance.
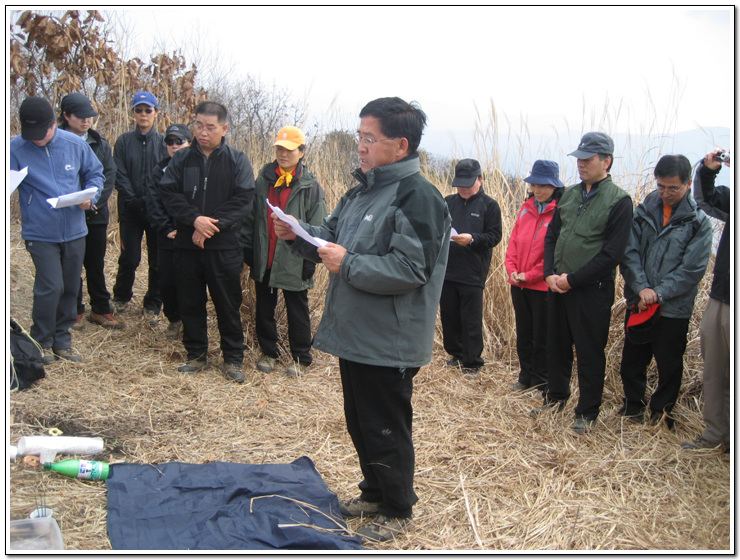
{"type": "Point", "coordinates": [289, 185]}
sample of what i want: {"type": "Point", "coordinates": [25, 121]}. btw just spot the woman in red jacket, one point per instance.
{"type": "Point", "coordinates": [524, 266]}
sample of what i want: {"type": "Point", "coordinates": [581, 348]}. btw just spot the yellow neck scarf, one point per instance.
{"type": "Point", "coordinates": [285, 177]}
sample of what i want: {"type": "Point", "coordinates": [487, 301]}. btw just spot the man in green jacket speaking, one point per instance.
{"type": "Point", "coordinates": [387, 252]}
{"type": "Point", "coordinates": [583, 246]}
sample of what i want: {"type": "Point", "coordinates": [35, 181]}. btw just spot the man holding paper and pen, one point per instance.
{"type": "Point", "coordinates": [59, 163]}
{"type": "Point", "coordinates": [387, 252]}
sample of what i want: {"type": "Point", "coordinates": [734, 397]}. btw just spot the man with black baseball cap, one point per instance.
{"type": "Point", "coordinates": [76, 116]}
{"type": "Point", "coordinates": [476, 218]}
{"type": "Point", "coordinates": [585, 242]}
{"type": "Point", "coordinates": [55, 237]}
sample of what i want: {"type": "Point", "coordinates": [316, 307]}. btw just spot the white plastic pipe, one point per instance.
{"type": "Point", "coordinates": [71, 445]}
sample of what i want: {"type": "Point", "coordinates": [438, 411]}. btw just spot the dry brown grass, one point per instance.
{"type": "Point", "coordinates": [488, 476]}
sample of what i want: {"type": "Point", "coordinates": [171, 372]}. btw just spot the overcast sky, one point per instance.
{"type": "Point", "coordinates": [547, 70]}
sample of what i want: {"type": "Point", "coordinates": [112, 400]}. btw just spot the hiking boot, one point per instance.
{"type": "Point", "coordinates": [518, 387]}
{"type": "Point", "coordinates": [555, 406]}
{"type": "Point", "coordinates": [470, 372]}
{"type": "Point", "coordinates": [266, 363]}
{"type": "Point", "coordinates": [119, 306]}
{"type": "Point", "coordinates": [79, 324]}
{"type": "Point", "coordinates": [151, 316]}
{"type": "Point", "coordinates": [233, 372]}
{"type": "Point", "coordinates": [454, 362]}
{"type": "Point", "coordinates": [173, 330]}
{"type": "Point", "coordinates": [701, 444]}
{"type": "Point", "coordinates": [193, 366]}
{"type": "Point", "coordinates": [47, 356]}
{"type": "Point", "coordinates": [357, 507]}
{"type": "Point", "coordinates": [105, 320]}
{"type": "Point", "coordinates": [295, 369]}
{"type": "Point", "coordinates": [385, 528]}
{"type": "Point", "coordinates": [631, 415]}
{"type": "Point", "coordinates": [583, 425]}
{"type": "Point", "coordinates": [69, 354]}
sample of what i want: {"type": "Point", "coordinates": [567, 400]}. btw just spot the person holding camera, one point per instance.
{"type": "Point", "coordinates": [665, 260]}
{"type": "Point", "coordinates": [714, 331]}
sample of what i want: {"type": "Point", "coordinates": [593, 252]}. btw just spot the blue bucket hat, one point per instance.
{"type": "Point", "coordinates": [545, 172]}
{"type": "Point", "coordinates": [144, 97]}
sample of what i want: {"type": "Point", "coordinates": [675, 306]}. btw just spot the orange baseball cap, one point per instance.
{"type": "Point", "coordinates": [290, 137]}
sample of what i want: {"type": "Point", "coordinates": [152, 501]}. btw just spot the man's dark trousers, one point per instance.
{"type": "Point", "coordinates": [668, 349]}
{"type": "Point", "coordinates": [461, 312]}
{"type": "Point", "coordinates": [132, 232]}
{"type": "Point", "coordinates": [299, 321]}
{"type": "Point", "coordinates": [220, 272]}
{"type": "Point", "coordinates": [55, 287]}
{"type": "Point", "coordinates": [377, 407]}
{"type": "Point", "coordinates": [167, 279]}
{"type": "Point", "coordinates": [581, 316]}
{"type": "Point", "coordinates": [94, 262]}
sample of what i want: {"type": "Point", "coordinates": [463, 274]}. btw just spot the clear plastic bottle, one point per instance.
{"type": "Point", "coordinates": [80, 468]}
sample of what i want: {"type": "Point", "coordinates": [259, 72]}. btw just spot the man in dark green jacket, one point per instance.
{"type": "Point", "coordinates": [664, 262]}
{"type": "Point", "coordinates": [584, 244]}
{"type": "Point", "coordinates": [387, 253]}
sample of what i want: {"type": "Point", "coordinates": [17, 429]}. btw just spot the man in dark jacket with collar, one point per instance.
{"type": "Point", "coordinates": [715, 322]}
{"type": "Point", "coordinates": [136, 154]}
{"type": "Point", "coordinates": [584, 244]}
{"type": "Point", "coordinates": [387, 251]}
{"type": "Point", "coordinates": [664, 262]}
{"type": "Point", "coordinates": [208, 188]}
{"type": "Point", "coordinates": [476, 219]}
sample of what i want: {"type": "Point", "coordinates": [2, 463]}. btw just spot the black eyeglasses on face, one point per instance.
{"type": "Point", "coordinates": [174, 141]}
{"type": "Point", "coordinates": [147, 110]}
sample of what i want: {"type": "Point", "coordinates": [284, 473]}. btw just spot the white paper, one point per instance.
{"type": "Point", "coordinates": [15, 178]}
{"type": "Point", "coordinates": [73, 198]}
{"type": "Point", "coordinates": [296, 228]}
{"type": "Point", "coordinates": [453, 232]}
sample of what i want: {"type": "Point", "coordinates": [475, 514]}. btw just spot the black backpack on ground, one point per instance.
{"type": "Point", "coordinates": [25, 359]}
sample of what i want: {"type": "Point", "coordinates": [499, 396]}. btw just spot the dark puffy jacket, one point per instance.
{"type": "Point", "coordinates": [672, 259]}
{"type": "Point", "coordinates": [220, 186]}
{"type": "Point", "coordinates": [104, 152]}
{"type": "Point", "coordinates": [480, 216]}
{"type": "Point", "coordinates": [715, 201]}
{"type": "Point", "coordinates": [158, 217]}
{"type": "Point", "coordinates": [135, 155]}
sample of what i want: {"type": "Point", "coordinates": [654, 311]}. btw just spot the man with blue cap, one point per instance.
{"type": "Point", "coordinates": [136, 153]}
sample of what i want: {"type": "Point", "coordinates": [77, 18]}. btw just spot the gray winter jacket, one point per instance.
{"type": "Point", "coordinates": [671, 260]}
{"type": "Point", "coordinates": [381, 308]}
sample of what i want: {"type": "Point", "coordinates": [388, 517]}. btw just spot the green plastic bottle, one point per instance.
{"type": "Point", "coordinates": [79, 468]}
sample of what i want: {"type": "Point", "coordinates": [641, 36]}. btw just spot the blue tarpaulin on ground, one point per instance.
{"type": "Point", "coordinates": [223, 506]}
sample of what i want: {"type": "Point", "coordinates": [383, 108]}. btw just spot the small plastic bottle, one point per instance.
{"type": "Point", "coordinates": [79, 468]}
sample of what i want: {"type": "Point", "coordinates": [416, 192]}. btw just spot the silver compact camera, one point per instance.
{"type": "Point", "coordinates": [722, 156]}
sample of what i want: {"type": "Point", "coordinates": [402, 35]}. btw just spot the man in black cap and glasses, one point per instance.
{"type": "Point", "coordinates": [59, 163]}
{"type": "Point", "coordinates": [585, 242]}
{"type": "Point", "coordinates": [76, 116]}
{"type": "Point", "coordinates": [476, 218]}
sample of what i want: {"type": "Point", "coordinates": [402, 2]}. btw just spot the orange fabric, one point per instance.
{"type": "Point", "coordinates": [667, 210]}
